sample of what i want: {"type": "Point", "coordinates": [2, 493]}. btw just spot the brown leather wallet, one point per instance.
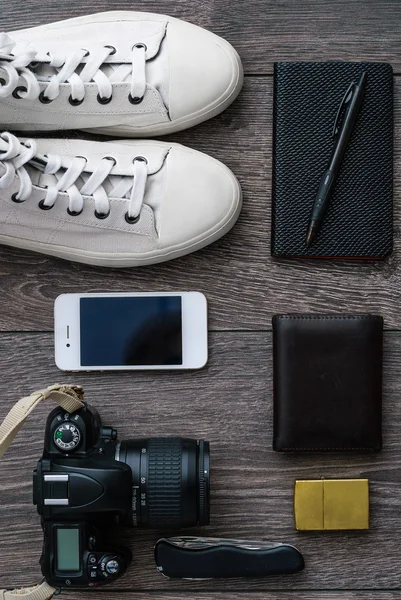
{"type": "Point", "coordinates": [327, 382]}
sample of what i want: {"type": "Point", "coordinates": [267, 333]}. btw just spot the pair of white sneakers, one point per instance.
{"type": "Point", "coordinates": [114, 203]}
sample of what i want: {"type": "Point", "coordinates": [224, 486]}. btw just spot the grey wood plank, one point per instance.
{"type": "Point", "coordinates": [244, 285]}
{"type": "Point", "coordinates": [230, 404]}
{"type": "Point", "coordinates": [234, 595]}
{"type": "Point", "coordinates": [262, 31]}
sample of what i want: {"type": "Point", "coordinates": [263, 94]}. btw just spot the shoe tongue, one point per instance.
{"type": "Point", "coordinates": [156, 74]}
{"type": "Point", "coordinates": [3, 148]}
{"type": "Point", "coordinates": [44, 72]}
{"type": "Point", "coordinates": [3, 145]}
{"type": "Point", "coordinates": [43, 180]}
{"type": "Point", "coordinates": [150, 33]}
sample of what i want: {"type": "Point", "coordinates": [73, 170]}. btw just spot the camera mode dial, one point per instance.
{"type": "Point", "coordinates": [67, 437]}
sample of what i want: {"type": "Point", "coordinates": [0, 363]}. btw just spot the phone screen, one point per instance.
{"type": "Point", "coordinates": [142, 330]}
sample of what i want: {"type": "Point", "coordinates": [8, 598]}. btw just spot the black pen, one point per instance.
{"type": "Point", "coordinates": [353, 101]}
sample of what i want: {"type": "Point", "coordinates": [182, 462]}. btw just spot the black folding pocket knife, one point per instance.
{"type": "Point", "coordinates": [208, 558]}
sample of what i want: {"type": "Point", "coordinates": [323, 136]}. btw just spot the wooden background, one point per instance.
{"type": "Point", "coordinates": [229, 402]}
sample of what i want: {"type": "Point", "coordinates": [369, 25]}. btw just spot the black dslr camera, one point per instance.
{"type": "Point", "coordinates": [87, 482]}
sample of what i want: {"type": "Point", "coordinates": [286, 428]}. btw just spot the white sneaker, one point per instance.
{"type": "Point", "coordinates": [118, 73]}
{"type": "Point", "coordinates": [119, 204]}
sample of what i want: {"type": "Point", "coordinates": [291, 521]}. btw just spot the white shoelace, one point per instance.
{"type": "Point", "coordinates": [20, 158]}
{"type": "Point", "coordinates": [18, 76]}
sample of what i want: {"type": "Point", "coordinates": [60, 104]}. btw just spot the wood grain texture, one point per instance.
{"type": "Point", "coordinates": [244, 285]}
{"type": "Point", "coordinates": [262, 31]}
{"type": "Point", "coordinates": [230, 404]}
{"type": "Point", "coordinates": [234, 595]}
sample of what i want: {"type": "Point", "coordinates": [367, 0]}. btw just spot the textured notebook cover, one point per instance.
{"type": "Point", "coordinates": [359, 222]}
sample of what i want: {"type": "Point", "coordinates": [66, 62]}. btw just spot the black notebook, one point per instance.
{"type": "Point", "coordinates": [359, 221]}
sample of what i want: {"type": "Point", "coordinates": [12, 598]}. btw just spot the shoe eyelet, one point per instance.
{"type": "Point", "coordinates": [20, 88]}
{"type": "Point", "coordinates": [44, 99]}
{"type": "Point", "coordinates": [15, 199]}
{"type": "Point", "coordinates": [86, 52]}
{"type": "Point", "coordinates": [140, 45]}
{"type": "Point", "coordinates": [104, 100]}
{"type": "Point", "coordinates": [99, 215]}
{"type": "Point", "coordinates": [135, 100]}
{"type": "Point", "coordinates": [113, 50]}
{"type": "Point", "coordinates": [141, 159]}
{"type": "Point", "coordinates": [110, 158]}
{"type": "Point", "coordinates": [74, 213]}
{"type": "Point", "coordinates": [74, 102]}
{"type": "Point", "coordinates": [132, 220]}
{"type": "Point", "coordinates": [44, 206]}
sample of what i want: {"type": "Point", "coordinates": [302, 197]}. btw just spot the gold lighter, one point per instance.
{"type": "Point", "coordinates": [331, 504]}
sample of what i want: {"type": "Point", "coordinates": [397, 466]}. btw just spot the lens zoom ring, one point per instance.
{"type": "Point", "coordinates": [164, 482]}
{"type": "Point", "coordinates": [201, 480]}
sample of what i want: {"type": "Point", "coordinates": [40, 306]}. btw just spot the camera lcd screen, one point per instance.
{"type": "Point", "coordinates": [138, 331]}
{"type": "Point", "coordinates": [68, 550]}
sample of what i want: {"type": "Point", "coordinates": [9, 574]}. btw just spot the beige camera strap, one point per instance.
{"type": "Point", "coordinates": [43, 591]}
{"type": "Point", "coordinates": [69, 398]}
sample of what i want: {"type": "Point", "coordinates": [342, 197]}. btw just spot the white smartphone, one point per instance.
{"type": "Point", "coordinates": [118, 331]}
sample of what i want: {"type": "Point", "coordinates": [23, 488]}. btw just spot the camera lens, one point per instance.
{"type": "Point", "coordinates": [170, 481]}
